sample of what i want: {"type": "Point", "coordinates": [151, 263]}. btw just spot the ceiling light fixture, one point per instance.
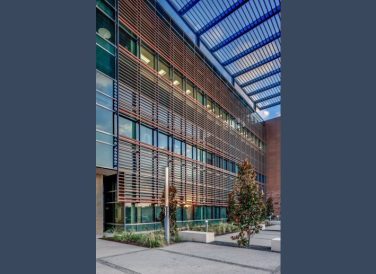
{"type": "Point", "coordinates": [145, 59]}
{"type": "Point", "coordinates": [162, 72]}
{"type": "Point", "coordinates": [105, 33]}
{"type": "Point", "coordinates": [176, 82]}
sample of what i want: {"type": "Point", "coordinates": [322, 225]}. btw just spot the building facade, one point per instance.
{"type": "Point", "coordinates": [160, 102]}
{"type": "Point", "coordinates": [273, 162]}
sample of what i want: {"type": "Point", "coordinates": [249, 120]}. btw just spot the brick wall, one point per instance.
{"type": "Point", "coordinates": [273, 162]}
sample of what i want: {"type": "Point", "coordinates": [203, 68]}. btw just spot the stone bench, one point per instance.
{"type": "Point", "coordinates": [196, 236]}
{"type": "Point", "coordinates": [276, 244]}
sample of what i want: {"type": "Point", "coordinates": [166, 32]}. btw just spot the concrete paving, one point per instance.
{"type": "Point", "coordinates": [261, 240]}
{"type": "Point", "coordinates": [186, 257]}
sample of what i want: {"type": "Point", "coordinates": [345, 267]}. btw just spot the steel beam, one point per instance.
{"type": "Point", "coordinates": [252, 49]}
{"type": "Point", "coordinates": [247, 28]}
{"type": "Point", "coordinates": [222, 16]}
{"type": "Point", "coordinates": [267, 98]}
{"type": "Point", "coordinates": [187, 7]}
{"type": "Point", "coordinates": [259, 64]}
{"type": "Point", "coordinates": [262, 77]}
{"type": "Point", "coordinates": [264, 89]}
{"type": "Point", "coordinates": [269, 106]}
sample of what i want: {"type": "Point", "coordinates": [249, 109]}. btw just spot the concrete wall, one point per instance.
{"type": "Point", "coordinates": [99, 204]}
{"type": "Point", "coordinates": [273, 162]}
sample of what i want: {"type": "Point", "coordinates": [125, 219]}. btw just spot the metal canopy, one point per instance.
{"type": "Point", "coordinates": [244, 36]}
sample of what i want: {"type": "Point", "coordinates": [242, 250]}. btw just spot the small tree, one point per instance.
{"type": "Point", "coordinates": [246, 204]}
{"type": "Point", "coordinates": [172, 205]}
{"type": "Point", "coordinates": [269, 207]}
{"type": "Point", "coordinates": [231, 208]}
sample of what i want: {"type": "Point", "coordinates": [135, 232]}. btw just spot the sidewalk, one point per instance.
{"type": "Point", "coordinates": [260, 241]}
{"type": "Point", "coordinates": [185, 258]}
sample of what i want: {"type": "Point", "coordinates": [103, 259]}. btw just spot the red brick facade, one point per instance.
{"type": "Point", "coordinates": [273, 162]}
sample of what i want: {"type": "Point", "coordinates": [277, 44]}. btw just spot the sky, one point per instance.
{"type": "Point", "coordinates": [266, 114]}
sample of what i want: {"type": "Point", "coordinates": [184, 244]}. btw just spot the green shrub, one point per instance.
{"type": "Point", "coordinates": [151, 239]}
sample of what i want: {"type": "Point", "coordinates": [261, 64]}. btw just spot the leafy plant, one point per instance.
{"type": "Point", "coordinates": [153, 239]}
{"type": "Point", "coordinates": [218, 229]}
{"type": "Point", "coordinates": [269, 207]}
{"type": "Point", "coordinates": [246, 204]}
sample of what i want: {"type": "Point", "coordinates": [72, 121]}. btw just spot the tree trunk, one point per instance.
{"type": "Point", "coordinates": [249, 238]}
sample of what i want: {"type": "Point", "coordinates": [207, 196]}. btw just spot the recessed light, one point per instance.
{"type": "Point", "coordinates": [105, 33]}
{"type": "Point", "coordinates": [188, 91]}
{"type": "Point", "coordinates": [176, 82]}
{"type": "Point", "coordinates": [145, 59]}
{"type": "Point", "coordinates": [162, 72]}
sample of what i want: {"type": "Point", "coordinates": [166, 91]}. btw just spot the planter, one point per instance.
{"type": "Point", "coordinates": [276, 244]}
{"type": "Point", "coordinates": [196, 236]}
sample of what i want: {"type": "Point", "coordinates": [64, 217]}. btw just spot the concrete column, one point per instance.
{"type": "Point", "coordinates": [99, 205]}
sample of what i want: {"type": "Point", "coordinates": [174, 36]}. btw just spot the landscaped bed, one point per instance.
{"type": "Point", "coordinates": [218, 229]}
{"type": "Point", "coordinates": [148, 239]}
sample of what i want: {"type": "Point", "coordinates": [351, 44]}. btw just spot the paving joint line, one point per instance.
{"type": "Point", "coordinates": [217, 260]}
{"type": "Point", "coordinates": [253, 247]}
{"type": "Point", "coordinates": [125, 253]}
{"type": "Point", "coordinates": [117, 267]}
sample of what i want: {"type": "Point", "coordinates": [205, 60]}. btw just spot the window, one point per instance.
{"type": "Point", "coordinates": [106, 8]}
{"type": "Point", "coordinates": [199, 212]}
{"type": "Point", "coordinates": [164, 69]}
{"type": "Point", "coordinates": [130, 214]}
{"type": "Point", "coordinates": [194, 153]}
{"type": "Point", "coordinates": [127, 127]}
{"type": "Point", "coordinates": [105, 27]}
{"type": "Point", "coordinates": [105, 50]}
{"type": "Point", "coordinates": [208, 212]}
{"type": "Point", "coordinates": [232, 122]}
{"type": "Point", "coordinates": [147, 214]}
{"type": "Point", "coordinates": [187, 213]}
{"type": "Point", "coordinates": [189, 88]}
{"type": "Point", "coordinates": [183, 148]}
{"type": "Point", "coordinates": [105, 62]}
{"type": "Point", "coordinates": [147, 57]}
{"type": "Point", "coordinates": [177, 146]}
{"type": "Point", "coordinates": [162, 140]}
{"type": "Point", "coordinates": [104, 155]}
{"type": "Point", "coordinates": [177, 80]}
{"type": "Point", "coordinates": [104, 121]}
{"type": "Point", "coordinates": [209, 104]}
{"type": "Point", "coordinates": [200, 97]}
{"type": "Point", "coordinates": [223, 213]}
{"type": "Point", "coordinates": [146, 135]}
{"type": "Point", "coordinates": [128, 40]}
{"type": "Point", "coordinates": [189, 151]}
{"type": "Point", "coordinates": [216, 110]}
{"type": "Point", "coordinates": [104, 84]}
{"type": "Point", "coordinates": [209, 158]}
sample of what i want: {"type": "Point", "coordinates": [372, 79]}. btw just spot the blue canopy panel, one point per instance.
{"type": "Point", "coordinates": [245, 38]}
